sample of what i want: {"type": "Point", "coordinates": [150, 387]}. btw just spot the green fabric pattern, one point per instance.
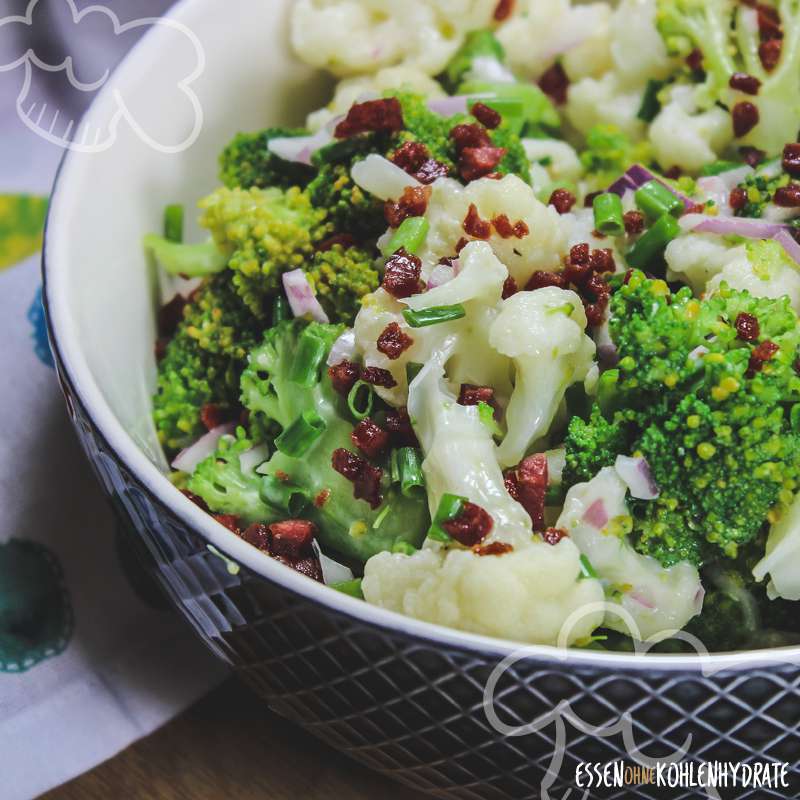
{"type": "Point", "coordinates": [21, 225]}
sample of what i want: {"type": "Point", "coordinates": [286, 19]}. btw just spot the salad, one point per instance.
{"type": "Point", "coordinates": [506, 337]}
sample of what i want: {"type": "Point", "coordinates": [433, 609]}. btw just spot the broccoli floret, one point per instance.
{"type": "Point", "coordinates": [727, 35]}
{"type": "Point", "coordinates": [266, 232]}
{"type": "Point", "coordinates": [247, 162]}
{"type": "Point", "coordinates": [341, 277]}
{"type": "Point", "coordinates": [592, 445]}
{"type": "Point", "coordinates": [226, 488]}
{"type": "Point", "coordinates": [708, 410]}
{"type": "Point", "coordinates": [481, 46]}
{"type": "Point", "coordinates": [608, 152]}
{"type": "Point", "coordinates": [189, 260]}
{"type": "Point", "coordinates": [275, 393]}
{"type": "Point", "coordinates": [760, 187]}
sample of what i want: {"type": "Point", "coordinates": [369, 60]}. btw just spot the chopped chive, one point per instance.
{"type": "Point", "coordinates": [433, 315]}
{"type": "Point", "coordinates": [406, 468]}
{"type": "Point", "coordinates": [410, 236]}
{"type": "Point", "coordinates": [651, 105]}
{"type": "Point", "coordinates": [608, 214]}
{"type": "Point", "coordinates": [280, 309]}
{"type": "Point", "coordinates": [359, 400]}
{"type": "Point", "coordinates": [285, 496]}
{"type": "Point", "coordinates": [405, 548]}
{"type": "Point", "coordinates": [718, 167]}
{"type": "Point", "coordinates": [353, 588]}
{"type": "Point", "coordinates": [311, 352]}
{"type": "Point", "coordinates": [655, 199]}
{"type": "Point", "coordinates": [298, 437]}
{"type": "Point", "coordinates": [652, 242]}
{"type": "Point", "coordinates": [587, 570]}
{"type": "Point", "coordinates": [449, 508]}
{"type": "Point", "coordinates": [486, 416]}
{"type": "Point", "coordinates": [381, 517]}
{"type": "Point", "coordinates": [173, 223]}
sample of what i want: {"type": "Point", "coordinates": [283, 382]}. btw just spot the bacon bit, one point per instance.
{"type": "Point", "coordinates": [509, 287]}
{"type": "Point", "coordinates": [673, 173]}
{"type": "Point", "coordinates": [322, 498]}
{"type": "Point", "coordinates": [282, 476]}
{"type": "Point", "coordinates": [343, 376]}
{"type": "Point", "coordinates": [562, 200]}
{"type": "Point", "coordinates": [160, 348]}
{"type": "Point", "coordinates": [462, 243]}
{"type": "Point", "coordinates": [742, 82]}
{"type": "Point", "coordinates": [475, 226]}
{"type": "Point", "coordinates": [769, 22]}
{"type": "Point", "coordinates": [374, 116]}
{"type": "Point", "coordinates": [365, 478]}
{"type": "Point", "coordinates": [751, 156]}
{"type": "Point", "coordinates": [695, 60]}
{"type": "Point", "coordinates": [595, 294]}
{"type": "Point", "coordinates": [634, 222]}
{"type": "Point", "coordinates": [471, 526]}
{"type": "Point", "coordinates": [598, 234]}
{"type": "Point", "coordinates": [555, 83]}
{"type": "Point", "coordinates": [488, 117]}
{"type": "Point", "coordinates": [554, 535]}
{"type": "Point", "coordinates": [292, 538]}
{"type": "Point", "coordinates": [579, 253]}
{"type": "Point", "coordinates": [627, 279]}
{"type": "Point", "coordinates": [503, 10]}
{"type": "Point", "coordinates": [431, 170]}
{"type": "Point", "coordinates": [737, 198]}
{"type": "Point", "coordinates": [369, 438]}
{"type": "Point", "coordinates": [413, 203]}
{"type": "Point", "coordinates": [230, 521]}
{"type": "Point", "coordinates": [530, 478]}
{"type": "Point", "coordinates": [170, 315]}
{"type": "Point", "coordinates": [259, 536]}
{"type": "Point", "coordinates": [198, 501]}
{"type": "Point", "coordinates": [694, 208]}
{"type": "Point", "coordinates": [401, 274]}
{"type": "Point", "coordinates": [471, 395]}
{"type": "Point", "coordinates": [309, 566]}
{"type": "Point", "coordinates": [344, 240]}
{"type": "Point", "coordinates": [213, 415]}
{"type": "Point", "coordinates": [787, 196]}
{"type": "Point", "coordinates": [507, 230]}
{"type": "Point", "coordinates": [541, 278]}
{"type": "Point", "coordinates": [512, 487]}
{"type": "Point", "coordinates": [770, 53]}
{"type": "Point", "coordinates": [393, 342]}
{"type": "Point", "coordinates": [577, 274]}
{"type": "Point", "coordinates": [472, 135]}
{"type": "Point", "coordinates": [493, 549]}
{"type": "Point", "coordinates": [602, 261]}
{"type": "Point", "coordinates": [477, 162]}
{"type": "Point", "coordinates": [761, 354]}
{"type": "Point", "coordinates": [747, 327]}
{"type": "Point", "coordinates": [494, 176]}
{"type": "Point", "coordinates": [745, 117]}
{"type": "Point", "coordinates": [410, 156]}
{"type": "Point", "coordinates": [588, 201]}
{"type": "Point", "coordinates": [377, 376]}
{"type": "Point", "coordinates": [399, 426]}
{"type": "Point", "coordinates": [791, 159]}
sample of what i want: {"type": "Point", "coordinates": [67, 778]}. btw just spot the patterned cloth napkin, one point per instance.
{"type": "Point", "coordinates": [91, 657]}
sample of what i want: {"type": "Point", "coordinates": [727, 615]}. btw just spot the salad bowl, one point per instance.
{"type": "Point", "coordinates": [445, 712]}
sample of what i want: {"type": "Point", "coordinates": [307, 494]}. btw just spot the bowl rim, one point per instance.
{"type": "Point", "coordinates": [75, 370]}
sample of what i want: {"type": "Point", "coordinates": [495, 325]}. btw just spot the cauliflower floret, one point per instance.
{"type": "Point", "coordinates": [562, 164]}
{"type": "Point", "coordinates": [549, 28]}
{"type": "Point", "coordinates": [782, 557]}
{"type": "Point", "coordinates": [684, 138]}
{"type": "Point", "coordinates": [659, 601]}
{"type": "Point", "coordinates": [349, 90]}
{"type": "Point", "coordinates": [349, 37]}
{"type": "Point", "coordinates": [696, 258]}
{"type": "Point", "coordinates": [540, 249]}
{"type": "Point", "coordinates": [605, 101]}
{"type": "Point", "coordinates": [637, 48]}
{"type": "Point", "coordinates": [543, 332]}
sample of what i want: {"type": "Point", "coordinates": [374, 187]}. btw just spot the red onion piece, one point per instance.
{"type": "Point", "coordinates": [332, 571]}
{"type": "Point", "coordinates": [344, 348]}
{"type": "Point", "coordinates": [596, 515]}
{"type": "Point", "coordinates": [205, 446]}
{"type": "Point", "coordinates": [301, 296]}
{"type": "Point", "coordinates": [299, 148]}
{"type": "Point", "coordinates": [732, 226]}
{"type": "Point", "coordinates": [441, 274]}
{"type": "Point", "coordinates": [635, 472]}
{"type": "Point", "coordinates": [607, 353]}
{"type": "Point", "coordinates": [640, 599]}
{"type": "Point", "coordinates": [788, 243]}
{"type": "Point", "coordinates": [636, 177]}
{"type": "Point", "coordinates": [448, 106]}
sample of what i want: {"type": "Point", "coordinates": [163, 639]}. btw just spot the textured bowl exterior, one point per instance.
{"type": "Point", "coordinates": [413, 708]}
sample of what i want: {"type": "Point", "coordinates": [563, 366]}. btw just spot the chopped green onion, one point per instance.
{"type": "Point", "coordinates": [652, 242]}
{"type": "Point", "coordinates": [655, 199]}
{"type": "Point", "coordinates": [298, 437]}
{"type": "Point", "coordinates": [607, 392]}
{"type": "Point", "coordinates": [406, 469]}
{"type": "Point", "coordinates": [353, 588]}
{"type": "Point", "coordinates": [285, 496]}
{"type": "Point", "coordinates": [651, 105]}
{"type": "Point", "coordinates": [486, 416]}
{"type": "Point", "coordinates": [337, 151]}
{"type": "Point", "coordinates": [608, 214]}
{"type": "Point", "coordinates": [587, 570]}
{"type": "Point", "coordinates": [173, 223]}
{"type": "Point", "coordinates": [404, 547]}
{"type": "Point", "coordinates": [280, 310]}
{"type": "Point", "coordinates": [433, 315]}
{"type": "Point", "coordinates": [359, 400]}
{"type": "Point", "coordinates": [410, 236]}
{"type": "Point", "coordinates": [718, 167]}
{"type": "Point", "coordinates": [311, 352]}
{"type": "Point", "coordinates": [449, 508]}
{"type": "Point", "coordinates": [538, 111]}
{"type": "Point", "coordinates": [381, 516]}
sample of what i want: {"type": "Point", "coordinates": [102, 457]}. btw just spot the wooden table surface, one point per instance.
{"type": "Point", "coordinates": [229, 746]}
